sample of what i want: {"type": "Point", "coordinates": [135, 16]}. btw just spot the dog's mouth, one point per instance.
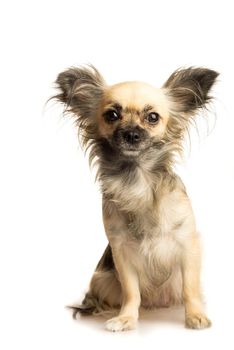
{"type": "Point", "coordinates": [111, 150]}
{"type": "Point", "coordinates": [131, 152]}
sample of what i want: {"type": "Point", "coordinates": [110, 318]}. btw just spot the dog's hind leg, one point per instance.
{"type": "Point", "coordinates": [105, 289]}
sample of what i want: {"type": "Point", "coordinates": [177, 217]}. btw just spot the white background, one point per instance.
{"type": "Point", "coordinates": [51, 229]}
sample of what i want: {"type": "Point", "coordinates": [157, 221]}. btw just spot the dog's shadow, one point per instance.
{"type": "Point", "coordinates": [171, 316]}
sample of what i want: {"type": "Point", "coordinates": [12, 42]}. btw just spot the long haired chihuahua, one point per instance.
{"type": "Point", "coordinates": [134, 132]}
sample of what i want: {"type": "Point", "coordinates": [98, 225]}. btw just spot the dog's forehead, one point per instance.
{"type": "Point", "coordinates": [136, 95]}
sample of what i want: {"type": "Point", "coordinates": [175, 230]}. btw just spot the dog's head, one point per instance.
{"type": "Point", "coordinates": [133, 116]}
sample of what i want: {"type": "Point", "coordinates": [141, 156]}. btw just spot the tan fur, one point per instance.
{"type": "Point", "coordinates": [153, 258]}
{"type": "Point", "coordinates": [161, 255]}
{"type": "Point", "coordinates": [156, 260]}
{"type": "Point", "coordinates": [135, 95]}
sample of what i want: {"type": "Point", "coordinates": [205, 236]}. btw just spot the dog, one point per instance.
{"type": "Point", "coordinates": [134, 132]}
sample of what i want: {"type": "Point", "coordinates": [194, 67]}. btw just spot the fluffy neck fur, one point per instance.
{"type": "Point", "coordinates": [134, 183]}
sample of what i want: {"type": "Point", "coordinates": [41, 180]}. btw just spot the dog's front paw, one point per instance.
{"type": "Point", "coordinates": [197, 321]}
{"type": "Point", "coordinates": [121, 323]}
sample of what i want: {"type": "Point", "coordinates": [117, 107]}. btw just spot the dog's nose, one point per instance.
{"type": "Point", "coordinates": [132, 136]}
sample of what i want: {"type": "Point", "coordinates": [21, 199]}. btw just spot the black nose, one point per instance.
{"type": "Point", "coordinates": [132, 136]}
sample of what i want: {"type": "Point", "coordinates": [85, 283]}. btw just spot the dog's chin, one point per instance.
{"type": "Point", "coordinates": [131, 152]}
{"type": "Point", "coordinates": [126, 150]}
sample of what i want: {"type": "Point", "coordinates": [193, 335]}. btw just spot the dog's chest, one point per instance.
{"type": "Point", "coordinates": [153, 257]}
{"type": "Point", "coordinates": [159, 258]}
{"type": "Point", "coordinates": [149, 226]}
{"type": "Point", "coordinates": [154, 239]}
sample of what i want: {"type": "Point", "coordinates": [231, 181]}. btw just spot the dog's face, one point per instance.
{"type": "Point", "coordinates": [133, 116]}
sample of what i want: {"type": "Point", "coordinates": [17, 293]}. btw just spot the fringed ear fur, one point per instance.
{"type": "Point", "coordinates": [81, 90]}
{"type": "Point", "coordinates": [188, 89]}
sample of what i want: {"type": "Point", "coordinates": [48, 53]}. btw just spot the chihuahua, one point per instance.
{"type": "Point", "coordinates": [134, 132]}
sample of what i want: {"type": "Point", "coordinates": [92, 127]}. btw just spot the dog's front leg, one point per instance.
{"type": "Point", "coordinates": [127, 318]}
{"type": "Point", "coordinates": [127, 274]}
{"type": "Point", "coordinates": [194, 314]}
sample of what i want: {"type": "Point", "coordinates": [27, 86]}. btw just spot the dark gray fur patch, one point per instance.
{"type": "Point", "coordinates": [106, 262]}
{"type": "Point", "coordinates": [111, 162]}
{"type": "Point", "coordinates": [90, 305]}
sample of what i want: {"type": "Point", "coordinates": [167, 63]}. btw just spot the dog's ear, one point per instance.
{"type": "Point", "coordinates": [81, 89]}
{"type": "Point", "coordinates": [188, 89]}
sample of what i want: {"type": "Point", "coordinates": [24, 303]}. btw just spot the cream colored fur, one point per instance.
{"type": "Point", "coordinates": [154, 254]}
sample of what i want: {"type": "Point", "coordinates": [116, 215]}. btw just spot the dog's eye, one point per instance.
{"type": "Point", "coordinates": [111, 116]}
{"type": "Point", "coordinates": [152, 118]}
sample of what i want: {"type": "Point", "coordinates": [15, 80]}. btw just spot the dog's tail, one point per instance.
{"type": "Point", "coordinates": [90, 306]}
{"type": "Point", "coordinates": [104, 295]}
